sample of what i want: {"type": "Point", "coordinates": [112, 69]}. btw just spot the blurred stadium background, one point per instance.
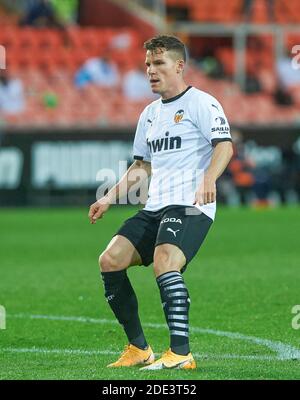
{"type": "Point", "coordinates": [73, 89]}
{"type": "Point", "coordinates": [72, 85]}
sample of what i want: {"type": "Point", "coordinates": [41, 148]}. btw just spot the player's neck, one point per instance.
{"type": "Point", "coordinates": [173, 92]}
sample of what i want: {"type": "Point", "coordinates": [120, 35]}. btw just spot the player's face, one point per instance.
{"type": "Point", "coordinates": [162, 70]}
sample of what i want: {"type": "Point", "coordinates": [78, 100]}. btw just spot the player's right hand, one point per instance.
{"type": "Point", "coordinates": [98, 209]}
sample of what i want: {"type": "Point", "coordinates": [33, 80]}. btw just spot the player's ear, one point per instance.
{"type": "Point", "coordinates": [179, 66]}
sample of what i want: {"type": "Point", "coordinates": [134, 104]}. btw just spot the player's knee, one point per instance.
{"type": "Point", "coordinates": [109, 262]}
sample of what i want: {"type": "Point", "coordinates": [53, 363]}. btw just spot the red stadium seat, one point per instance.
{"type": "Point", "coordinates": [226, 56]}
{"type": "Point", "coordinates": [260, 12]}
{"type": "Point", "coordinates": [29, 38]}
{"type": "Point", "coordinates": [50, 39]}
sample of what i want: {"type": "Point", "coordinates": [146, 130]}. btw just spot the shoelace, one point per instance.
{"type": "Point", "coordinates": [125, 351]}
{"type": "Point", "coordinates": [167, 354]}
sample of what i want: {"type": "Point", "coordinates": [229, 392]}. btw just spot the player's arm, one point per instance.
{"type": "Point", "coordinates": [221, 156]}
{"type": "Point", "coordinates": [121, 189]}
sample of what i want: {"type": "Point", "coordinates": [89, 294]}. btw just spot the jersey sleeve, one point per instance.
{"type": "Point", "coordinates": [212, 122]}
{"type": "Point", "coordinates": [140, 147]}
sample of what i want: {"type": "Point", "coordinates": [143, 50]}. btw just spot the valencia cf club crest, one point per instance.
{"type": "Point", "coordinates": [178, 116]}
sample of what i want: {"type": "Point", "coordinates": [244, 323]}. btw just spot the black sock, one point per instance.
{"type": "Point", "coordinates": [123, 302]}
{"type": "Point", "coordinates": [176, 302]}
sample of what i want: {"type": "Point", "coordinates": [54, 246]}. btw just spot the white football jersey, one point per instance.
{"type": "Point", "coordinates": [177, 137]}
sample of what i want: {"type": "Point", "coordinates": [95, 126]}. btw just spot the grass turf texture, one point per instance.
{"type": "Point", "coordinates": [244, 279]}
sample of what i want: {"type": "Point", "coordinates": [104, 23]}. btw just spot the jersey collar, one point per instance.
{"type": "Point", "coordinates": [176, 97]}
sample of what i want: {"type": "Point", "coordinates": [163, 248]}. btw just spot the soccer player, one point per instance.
{"type": "Point", "coordinates": [183, 132]}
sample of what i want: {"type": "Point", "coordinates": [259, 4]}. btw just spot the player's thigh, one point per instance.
{"type": "Point", "coordinates": [118, 255]}
{"type": "Point", "coordinates": [141, 230]}
{"type": "Point", "coordinates": [186, 229]}
{"type": "Point", "coordinates": [168, 257]}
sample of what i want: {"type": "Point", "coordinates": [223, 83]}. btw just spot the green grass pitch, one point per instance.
{"type": "Point", "coordinates": [243, 284]}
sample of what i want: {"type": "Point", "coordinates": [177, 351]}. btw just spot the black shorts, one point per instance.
{"type": "Point", "coordinates": [185, 227]}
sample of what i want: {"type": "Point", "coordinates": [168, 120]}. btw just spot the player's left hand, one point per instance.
{"type": "Point", "coordinates": [207, 191]}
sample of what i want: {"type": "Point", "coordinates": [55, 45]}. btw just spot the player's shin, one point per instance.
{"type": "Point", "coordinates": [176, 302]}
{"type": "Point", "coordinates": [123, 302]}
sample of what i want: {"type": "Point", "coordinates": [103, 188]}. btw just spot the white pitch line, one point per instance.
{"type": "Point", "coordinates": [76, 352]}
{"type": "Point", "coordinates": [82, 352]}
{"type": "Point", "coordinates": [62, 318]}
{"type": "Point", "coordinates": [283, 351]}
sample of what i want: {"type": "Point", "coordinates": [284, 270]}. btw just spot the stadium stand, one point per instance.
{"type": "Point", "coordinates": [285, 11]}
{"type": "Point", "coordinates": [46, 60]}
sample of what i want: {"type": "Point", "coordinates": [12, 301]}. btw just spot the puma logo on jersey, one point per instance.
{"type": "Point", "coordinates": [174, 232]}
{"type": "Point", "coordinates": [221, 119]}
{"type": "Point", "coordinates": [178, 220]}
{"type": "Point", "coordinates": [164, 143]}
